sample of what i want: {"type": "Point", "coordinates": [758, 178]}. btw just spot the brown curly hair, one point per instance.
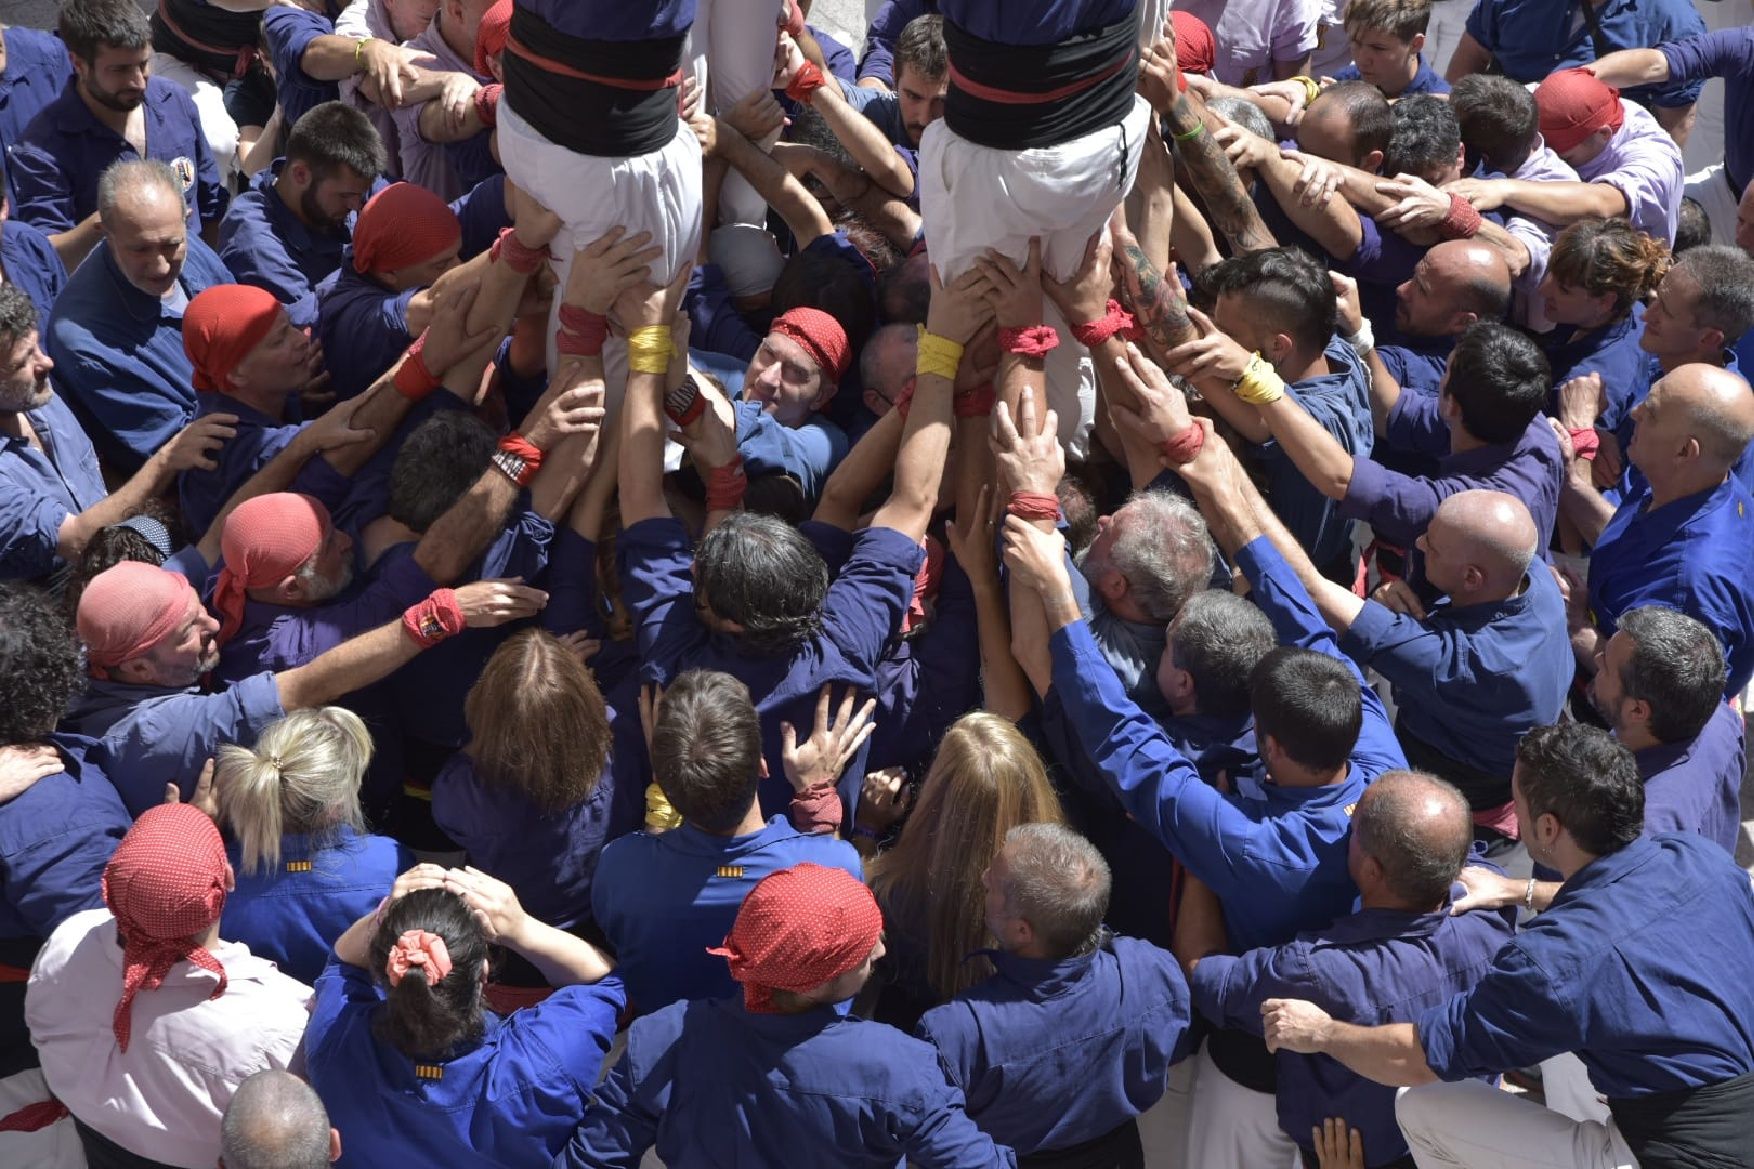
{"type": "Point", "coordinates": [1603, 256]}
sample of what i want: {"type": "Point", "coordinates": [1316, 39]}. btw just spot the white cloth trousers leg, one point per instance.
{"type": "Point", "coordinates": [1234, 1127]}
{"type": "Point", "coordinates": [1471, 1125]}
{"type": "Point", "coordinates": [657, 192]}
{"type": "Point", "coordinates": [730, 51]}
{"type": "Point", "coordinates": [1163, 1128]}
{"type": "Point", "coordinates": [54, 1147]}
{"type": "Point", "coordinates": [216, 125]}
{"type": "Point", "coordinates": [1566, 1087]}
{"type": "Point", "coordinates": [977, 197]}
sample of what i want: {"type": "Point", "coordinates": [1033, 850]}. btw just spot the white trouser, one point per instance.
{"type": "Point", "coordinates": [730, 52]}
{"type": "Point", "coordinates": [657, 192]}
{"type": "Point", "coordinates": [1234, 1127]}
{"type": "Point", "coordinates": [216, 125]}
{"type": "Point", "coordinates": [54, 1147]}
{"type": "Point", "coordinates": [1163, 1128]}
{"type": "Point", "coordinates": [1566, 1087]}
{"type": "Point", "coordinates": [1471, 1125]}
{"type": "Point", "coordinates": [1710, 188]}
{"type": "Point", "coordinates": [977, 197]}
{"type": "Point", "coordinates": [1449, 20]}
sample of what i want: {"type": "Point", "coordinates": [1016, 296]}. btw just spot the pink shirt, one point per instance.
{"type": "Point", "coordinates": [187, 1054]}
{"type": "Point", "coordinates": [1252, 34]}
{"type": "Point", "coordinates": [1643, 163]}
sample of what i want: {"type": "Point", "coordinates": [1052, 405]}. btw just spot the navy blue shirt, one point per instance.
{"type": "Point", "coordinates": [1275, 856]}
{"type": "Point", "coordinates": [40, 489]}
{"type": "Point", "coordinates": [55, 839]}
{"type": "Point", "coordinates": [292, 913]}
{"type": "Point", "coordinates": [1532, 38]}
{"type": "Point", "coordinates": [1051, 1054]}
{"type": "Point", "coordinates": [1639, 967]}
{"type": "Point", "coordinates": [363, 327]}
{"type": "Point", "coordinates": [1370, 967]}
{"type": "Point", "coordinates": [1470, 680]}
{"type": "Point", "coordinates": [1611, 351]}
{"type": "Point", "coordinates": [288, 32]}
{"type": "Point", "coordinates": [662, 899]}
{"type": "Point", "coordinates": [1694, 554]}
{"type": "Point", "coordinates": [1340, 403]}
{"type": "Point", "coordinates": [1425, 79]}
{"type": "Point", "coordinates": [709, 1083]}
{"type": "Point", "coordinates": [29, 260]}
{"type": "Point", "coordinates": [265, 244]}
{"type": "Point", "coordinates": [1696, 786]}
{"type": "Point", "coordinates": [65, 150]}
{"type": "Point", "coordinates": [37, 68]}
{"type": "Point", "coordinates": [119, 358]}
{"type": "Point", "coordinates": [259, 438]}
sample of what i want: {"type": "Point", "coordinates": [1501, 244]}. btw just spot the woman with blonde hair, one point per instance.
{"type": "Point", "coordinates": [549, 776]}
{"type": "Point", "coordinates": [985, 780]}
{"type": "Point", "coordinates": [306, 866]}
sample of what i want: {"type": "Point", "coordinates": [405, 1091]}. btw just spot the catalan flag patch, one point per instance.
{"type": "Point", "coordinates": [429, 1071]}
{"type": "Point", "coordinates": [298, 866]}
{"type": "Point", "coordinates": [729, 872]}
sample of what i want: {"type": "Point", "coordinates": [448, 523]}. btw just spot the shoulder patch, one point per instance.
{"type": "Point", "coordinates": [729, 872]}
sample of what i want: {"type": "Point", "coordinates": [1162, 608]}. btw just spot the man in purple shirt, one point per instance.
{"type": "Point", "coordinates": [434, 140]}
{"type": "Point", "coordinates": [1660, 685]}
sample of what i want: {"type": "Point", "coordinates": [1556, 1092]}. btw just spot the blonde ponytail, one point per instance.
{"type": "Point", "coordinates": [302, 776]}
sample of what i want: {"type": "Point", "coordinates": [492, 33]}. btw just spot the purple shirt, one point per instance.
{"type": "Point", "coordinates": [1729, 54]}
{"type": "Point", "coordinates": [1696, 786]}
{"type": "Point", "coordinates": [429, 164]}
{"type": "Point", "coordinates": [1400, 507]}
{"type": "Point", "coordinates": [1252, 34]}
{"type": "Point", "coordinates": [1643, 163]}
{"type": "Point", "coordinates": [861, 610]}
{"type": "Point", "coordinates": [1542, 165]}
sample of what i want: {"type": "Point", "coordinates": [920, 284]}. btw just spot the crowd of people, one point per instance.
{"type": "Point", "coordinates": [613, 582]}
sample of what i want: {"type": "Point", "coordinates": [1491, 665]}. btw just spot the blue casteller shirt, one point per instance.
{"type": "Point", "coordinates": [1051, 1054]}
{"type": "Point", "coordinates": [1425, 79]}
{"type": "Point", "coordinates": [1275, 856]}
{"type": "Point", "coordinates": [40, 489]}
{"type": "Point", "coordinates": [363, 327]}
{"type": "Point", "coordinates": [65, 150]}
{"type": "Point", "coordinates": [29, 260]}
{"type": "Point", "coordinates": [1370, 967]}
{"type": "Point", "coordinates": [265, 244]}
{"type": "Point", "coordinates": [549, 858]}
{"type": "Point", "coordinates": [1532, 38]}
{"type": "Point", "coordinates": [1696, 786]}
{"type": "Point", "coordinates": [149, 736]}
{"type": "Point", "coordinates": [1469, 680]}
{"type": "Point", "coordinates": [119, 359]}
{"type": "Point", "coordinates": [292, 913]}
{"type": "Point", "coordinates": [1612, 352]}
{"type": "Point", "coordinates": [611, 20]}
{"type": "Point", "coordinates": [259, 438]}
{"type": "Point", "coordinates": [1639, 967]}
{"type": "Point", "coordinates": [709, 1082]}
{"type": "Point", "coordinates": [37, 69]}
{"type": "Point", "coordinates": [55, 839]}
{"type": "Point", "coordinates": [288, 32]}
{"type": "Point", "coordinates": [862, 608]}
{"type": "Point", "coordinates": [662, 899]}
{"type": "Point", "coordinates": [509, 1100]}
{"type": "Point", "coordinates": [1340, 403]}
{"type": "Point", "coordinates": [1729, 54]}
{"type": "Point", "coordinates": [1694, 554]}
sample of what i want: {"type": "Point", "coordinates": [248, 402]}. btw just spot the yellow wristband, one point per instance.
{"type": "Point", "coordinates": [1312, 88]}
{"type": "Point", "coordinates": [937, 355]}
{"type": "Point", "coordinates": [649, 349]}
{"type": "Point", "coordinates": [359, 53]}
{"type": "Point", "coordinates": [1259, 385]}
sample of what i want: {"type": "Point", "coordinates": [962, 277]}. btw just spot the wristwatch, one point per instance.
{"type": "Point", "coordinates": [513, 467]}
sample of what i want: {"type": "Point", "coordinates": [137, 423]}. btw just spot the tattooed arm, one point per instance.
{"type": "Point", "coordinates": [1154, 298]}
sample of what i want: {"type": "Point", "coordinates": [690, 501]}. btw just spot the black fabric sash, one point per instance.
{"type": "Point", "coordinates": [1691, 1128]}
{"type": "Point", "coordinates": [1119, 1148]}
{"type": "Point", "coordinates": [1019, 97]}
{"type": "Point", "coordinates": [610, 99]}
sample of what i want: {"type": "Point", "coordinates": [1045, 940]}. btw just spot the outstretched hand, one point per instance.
{"type": "Point", "coordinates": [837, 736]}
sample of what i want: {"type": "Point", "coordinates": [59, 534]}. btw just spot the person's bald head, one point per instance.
{"type": "Point", "coordinates": [1693, 427]}
{"type": "Point", "coordinates": [276, 1121]}
{"type": "Point", "coordinates": [1457, 283]}
{"type": "Point", "coordinates": [1479, 545]}
{"type": "Point", "coordinates": [1349, 123]}
{"type": "Point", "coordinates": [1411, 833]}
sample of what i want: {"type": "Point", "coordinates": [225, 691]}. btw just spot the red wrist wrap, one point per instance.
{"type": "Point", "coordinates": [725, 486]}
{"type": "Point", "coordinates": [1461, 222]}
{"type": "Point", "coordinates": [516, 444]}
{"type": "Point", "coordinates": [1586, 442]}
{"type": "Point", "coordinates": [434, 619]}
{"type": "Point", "coordinates": [413, 380]}
{"type": "Point", "coordinates": [1035, 341]}
{"type": "Point", "coordinates": [904, 401]}
{"type": "Point", "coordinates": [1117, 320]}
{"type": "Point", "coordinates": [1034, 505]}
{"type": "Point", "coordinates": [1186, 446]}
{"type": "Point", "coordinates": [794, 18]}
{"type": "Point", "coordinates": [810, 78]}
{"type": "Point", "coordinates": [522, 259]}
{"type": "Point", "coordinates": [975, 403]}
{"type": "Point", "coordinates": [487, 104]}
{"type": "Point", "coordinates": [582, 332]}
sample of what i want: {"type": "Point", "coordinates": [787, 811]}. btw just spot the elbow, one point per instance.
{"type": "Point", "coordinates": [1335, 484]}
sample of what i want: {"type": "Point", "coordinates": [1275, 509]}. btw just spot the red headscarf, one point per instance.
{"type": "Point", "coordinates": [265, 540]}
{"type": "Point", "coordinates": [220, 328]}
{"type": "Point", "coordinates": [1574, 104]}
{"type": "Point", "coordinates": [1196, 49]}
{"type": "Point", "coordinates": [492, 34]}
{"type": "Point", "coordinates": [165, 883]}
{"type": "Point", "coordinates": [797, 929]}
{"type": "Point", "coordinates": [401, 226]}
{"type": "Point", "coordinates": [822, 337]}
{"type": "Point", "coordinates": [128, 609]}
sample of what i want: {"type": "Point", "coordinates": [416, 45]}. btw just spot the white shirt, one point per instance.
{"type": "Point", "coordinates": [187, 1054]}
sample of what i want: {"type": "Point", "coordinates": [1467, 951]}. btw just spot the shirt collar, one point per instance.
{"type": "Point", "coordinates": [1375, 925]}
{"type": "Point", "coordinates": [1605, 870]}
{"type": "Point", "coordinates": [141, 306]}
{"type": "Point", "coordinates": [1044, 978]}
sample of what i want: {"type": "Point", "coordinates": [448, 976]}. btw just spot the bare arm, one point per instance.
{"type": "Point", "coordinates": [1630, 68]}
{"type": "Point", "coordinates": [874, 153]}
{"type": "Point", "coordinates": [1390, 1054]}
{"type": "Point", "coordinates": [860, 473]}
{"type": "Point", "coordinates": [189, 449]}
{"type": "Point", "coordinates": [1470, 57]}
{"type": "Point", "coordinates": [74, 244]}
{"type": "Point", "coordinates": [783, 192]}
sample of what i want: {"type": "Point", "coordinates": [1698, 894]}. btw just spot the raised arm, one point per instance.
{"type": "Point", "coordinates": [190, 449]}
{"type": "Point", "coordinates": [1332, 223]}
{"type": "Point", "coordinates": [859, 135]}
{"type": "Point", "coordinates": [1390, 1054]}
{"type": "Point", "coordinates": [729, 138]}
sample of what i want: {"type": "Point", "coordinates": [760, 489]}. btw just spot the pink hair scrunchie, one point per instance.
{"type": "Point", "coordinates": [418, 948]}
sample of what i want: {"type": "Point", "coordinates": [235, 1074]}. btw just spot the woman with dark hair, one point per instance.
{"type": "Point", "coordinates": [545, 781]}
{"type": "Point", "coordinates": [412, 1065]}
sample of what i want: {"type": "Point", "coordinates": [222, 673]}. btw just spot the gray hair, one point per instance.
{"type": "Point", "coordinates": [1421, 847]}
{"type": "Point", "coordinates": [1242, 112]}
{"type": "Point", "coordinates": [1164, 551]}
{"type": "Point", "coordinates": [1057, 882]}
{"type": "Point", "coordinates": [1219, 638]}
{"type": "Point", "coordinates": [274, 1121]}
{"type": "Point", "coordinates": [1726, 287]}
{"type": "Point", "coordinates": [1677, 665]}
{"type": "Point", "coordinates": [130, 177]}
